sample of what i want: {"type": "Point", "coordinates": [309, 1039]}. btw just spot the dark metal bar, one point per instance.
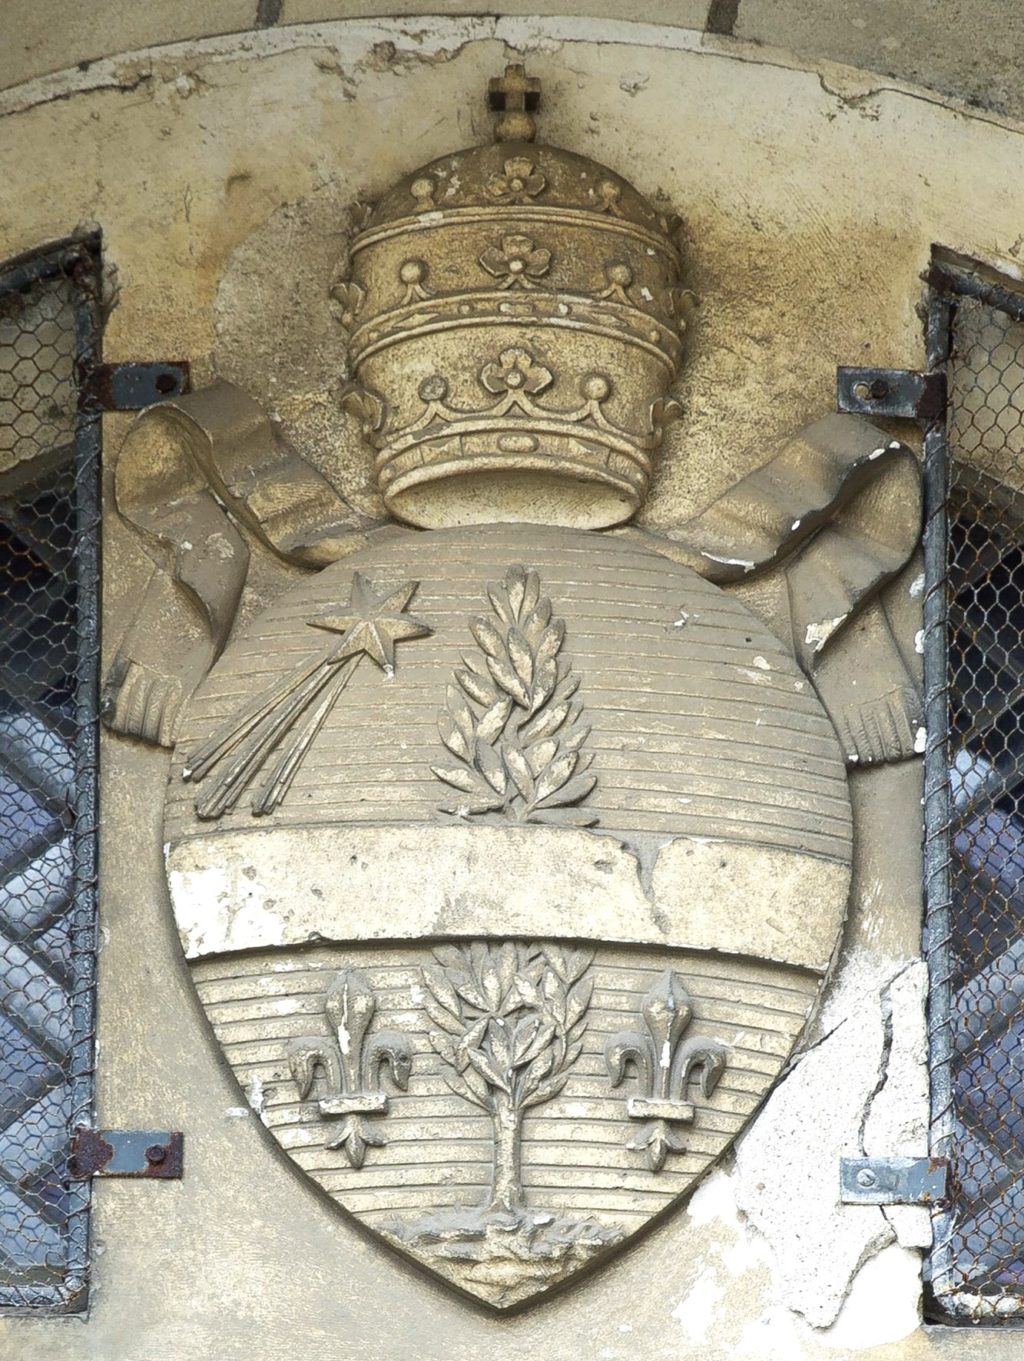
{"type": "Point", "coordinates": [88, 451]}
{"type": "Point", "coordinates": [952, 282]}
{"type": "Point", "coordinates": [937, 803]}
{"type": "Point", "coordinates": [59, 258]}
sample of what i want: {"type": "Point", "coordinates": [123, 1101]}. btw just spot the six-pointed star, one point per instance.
{"type": "Point", "coordinates": [373, 621]}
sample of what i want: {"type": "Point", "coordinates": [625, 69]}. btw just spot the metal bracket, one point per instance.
{"type": "Point", "coordinates": [899, 394]}
{"type": "Point", "coordinates": [131, 387]}
{"type": "Point", "coordinates": [892, 1181]}
{"type": "Point", "coordinates": [126, 1153]}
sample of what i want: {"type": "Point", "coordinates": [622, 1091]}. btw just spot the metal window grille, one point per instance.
{"type": "Point", "coordinates": [974, 793]}
{"type": "Point", "coordinates": [49, 578]}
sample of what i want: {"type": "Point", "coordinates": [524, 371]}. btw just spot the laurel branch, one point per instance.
{"type": "Point", "coordinates": [510, 720]}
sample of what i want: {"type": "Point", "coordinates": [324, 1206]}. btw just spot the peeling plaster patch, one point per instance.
{"type": "Point", "coordinates": [786, 1178]}
{"type": "Point", "coordinates": [819, 634]}
{"type": "Point", "coordinates": [919, 642]}
{"type": "Point", "coordinates": [897, 1119]}
{"type": "Point", "coordinates": [917, 586]}
{"type": "Point", "coordinates": [215, 909]}
{"type": "Point", "coordinates": [883, 1303]}
{"type": "Point", "coordinates": [255, 1094]}
{"type": "Point", "coordinates": [920, 739]}
{"type": "Point", "coordinates": [696, 1311]}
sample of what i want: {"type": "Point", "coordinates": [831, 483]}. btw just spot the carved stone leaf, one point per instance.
{"type": "Point", "coordinates": [579, 1001]}
{"type": "Point", "coordinates": [442, 1018]}
{"type": "Point", "coordinates": [489, 764]}
{"type": "Point", "coordinates": [498, 597]}
{"type": "Point", "coordinates": [564, 817]}
{"type": "Point", "coordinates": [544, 723]}
{"type": "Point", "coordinates": [527, 991]}
{"type": "Point", "coordinates": [468, 1084]}
{"type": "Point", "coordinates": [541, 754]}
{"type": "Point", "coordinates": [465, 780]}
{"type": "Point", "coordinates": [476, 687]}
{"type": "Point", "coordinates": [519, 769]}
{"type": "Point", "coordinates": [571, 792]}
{"type": "Point", "coordinates": [469, 992]}
{"type": "Point", "coordinates": [509, 681]}
{"type": "Point", "coordinates": [461, 715]}
{"type": "Point", "coordinates": [501, 1046]}
{"type": "Point", "coordinates": [521, 656]}
{"type": "Point", "coordinates": [508, 963]}
{"type": "Point", "coordinates": [493, 722]}
{"type": "Point", "coordinates": [442, 990]}
{"type": "Point", "coordinates": [531, 593]}
{"type": "Point", "coordinates": [556, 775]}
{"type": "Point", "coordinates": [457, 742]}
{"type": "Point", "coordinates": [516, 587]}
{"type": "Point", "coordinates": [444, 1045]}
{"type": "Point", "coordinates": [488, 637]}
{"type": "Point", "coordinates": [483, 1065]}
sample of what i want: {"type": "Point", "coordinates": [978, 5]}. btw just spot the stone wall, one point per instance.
{"type": "Point", "coordinates": [222, 170]}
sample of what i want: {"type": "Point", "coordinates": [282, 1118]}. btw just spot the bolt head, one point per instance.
{"type": "Point", "coordinates": [866, 1178]}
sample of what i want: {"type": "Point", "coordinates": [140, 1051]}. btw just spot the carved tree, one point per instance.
{"type": "Point", "coordinates": [509, 1026]}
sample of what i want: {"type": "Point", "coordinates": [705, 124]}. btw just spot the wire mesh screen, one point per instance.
{"type": "Point", "coordinates": [975, 805]}
{"type": "Point", "coordinates": [49, 460]}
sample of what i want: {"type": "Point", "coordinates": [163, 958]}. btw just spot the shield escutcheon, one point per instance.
{"type": "Point", "coordinates": [508, 862]}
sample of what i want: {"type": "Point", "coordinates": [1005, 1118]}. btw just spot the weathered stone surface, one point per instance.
{"type": "Point", "coordinates": [798, 264]}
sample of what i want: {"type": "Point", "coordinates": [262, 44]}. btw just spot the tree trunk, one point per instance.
{"type": "Point", "coordinates": [506, 1188]}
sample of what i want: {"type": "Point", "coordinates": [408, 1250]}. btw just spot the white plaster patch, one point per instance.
{"type": "Point", "coordinates": [777, 1334]}
{"type": "Point", "coordinates": [696, 1311]}
{"type": "Point", "coordinates": [920, 739]}
{"type": "Point", "coordinates": [917, 586]}
{"type": "Point", "coordinates": [919, 642]}
{"type": "Point", "coordinates": [883, 1304]}
{"type": "Point", "coordinates": [819, 634]}
{"type": "Point", "coordinates": [216, 909]}
{"type": "Point", "coordinates": [762, 664]}
{"type": "Point", "coordinates": [787, 1179]}
{"type": "Point", "coordinates": [728, 562]}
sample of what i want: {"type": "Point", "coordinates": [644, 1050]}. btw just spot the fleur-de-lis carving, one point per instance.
{"type": "Point", "coordinates": [665, 1064]}
{"type": "Point", "coordinates": [353, 1062]}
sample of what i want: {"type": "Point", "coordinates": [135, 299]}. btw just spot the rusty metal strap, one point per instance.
{"type": "Point", "coordinates": [156, 1154]}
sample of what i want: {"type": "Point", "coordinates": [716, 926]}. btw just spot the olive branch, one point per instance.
{"type": "Point", "coordinates": [510, 720]}
{"type": "Point", "coordinates": [508, 1025]}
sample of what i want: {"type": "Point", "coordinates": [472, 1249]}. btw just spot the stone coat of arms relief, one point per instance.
{"type": "Point", "coordinates": [510, 847]}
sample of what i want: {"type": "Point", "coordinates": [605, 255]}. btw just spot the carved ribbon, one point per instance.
{"type": "Point", "coordinates": [189, 473]}
{"type": "Point", "coordinates": [838, 512]}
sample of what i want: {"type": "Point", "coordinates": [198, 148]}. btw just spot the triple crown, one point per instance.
{"type": "Point", "coordinates": [513, 333]}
